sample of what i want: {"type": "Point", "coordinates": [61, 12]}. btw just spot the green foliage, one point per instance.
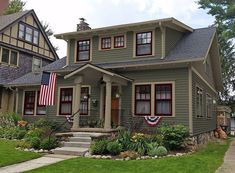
{"type": "Point", "coordinates": [152, 148]}
{"type": "Point", "coordinates": [114, 148]}
{"type": "Point", "coordinates": [15, 6]}
{"type": "Point", "coordinates": [49, 143]}
{"type": "Point", "coordinates": [161, 151]}
{"type": "Point", "coordinates": [224, 12]}
{"type": "Point", "coordinates": [35, 132]}
{"type": "Point", "coordinates": [124, 139]}
{"type": "Point", "coordinates": [99, 147]}
{"type": "Point", "coordinates": [174, 135]}
{"type": "Point", "coordinates": [12, 133]}
{"type": "Point", "coordinates": [23, 144]}
{"type": "Point", "coordinates": [140, 143]}
{"type": "Point", "coordinates": [35, 142]}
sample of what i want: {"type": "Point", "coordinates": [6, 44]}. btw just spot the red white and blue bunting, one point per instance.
{"type": "Point", "coordinates": [152, 120]}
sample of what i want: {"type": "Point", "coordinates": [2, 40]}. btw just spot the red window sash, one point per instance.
{"type": "Point", "coordinates": [122, 43]}
{"type": "Point", "coordinates": [67, 92]}
{"type": "Point", "coordinates": [27, 104]}
{"type": "Point", "coordinates": [78, 51]}
{"type": "Point", "coordinates": [136, 50]}
{"type": "Point", "coordinates": [103, 42]}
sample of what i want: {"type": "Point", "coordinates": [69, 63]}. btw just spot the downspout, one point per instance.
{"type": "Point", "coordinates": [163, 39]}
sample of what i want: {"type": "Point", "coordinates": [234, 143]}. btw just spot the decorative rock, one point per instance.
{"type": "Point", "coordinates": [41, 150]}
{"type": "Point", "coordinates": [108, 157]}
{"type": "Point", "coordinates": [118, 159]}
{"type": "Point", "coordinates": [98, 156]}
{"type": "Point", "coordinates": [179, 154]}
{"type": "Point", "coordinates": [26, 149]}
{"type": "Point", "coordinates": [128, 158]}
{"type": "Point", "coordinates": [138, 158]}
{"type": "Point", "coordinates": [87, 154]}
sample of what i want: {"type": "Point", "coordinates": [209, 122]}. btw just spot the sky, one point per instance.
{"type": "Point", "coordinates": [63, 16]}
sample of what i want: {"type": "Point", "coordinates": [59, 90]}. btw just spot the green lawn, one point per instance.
{"type": "Point", "coordinates": [9, 155]}
{"type": "Point", "coordinates": [206, 160]}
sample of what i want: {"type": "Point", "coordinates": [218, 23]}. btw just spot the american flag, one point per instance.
{"type": "Point", "coordinates": [47, 91]}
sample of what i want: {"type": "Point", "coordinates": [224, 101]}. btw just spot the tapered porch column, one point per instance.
{"type": "Point", "coordinates": [107, 121]}
{"type": "Point", "coordinates": [76, 103]}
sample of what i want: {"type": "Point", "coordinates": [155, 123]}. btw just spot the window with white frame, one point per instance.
{"type": "Point", "coordinates": [29, 102]}
{"type": "Point", "coordinates": [83, 50]}
{"type": "Point", "coordinates": [106, 43]}
{"type": "Point", "coordinates": [144, 43]}
{"type": "Point", "coordinates": [28, 33]}
{"type": "Point", "coordinates": [143, 99]}
{"type": "Point", "coordinates": [9, 56]}
{"type": "Point", "coordinates": [37, 64]}
{"type": "Point", "coordinates": [209, 106]}
{"type": "Point", "coordinates": [199, 102]}
{"type": "Point", "coordinates": [84, 101]}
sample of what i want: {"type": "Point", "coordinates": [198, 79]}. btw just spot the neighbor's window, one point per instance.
{"type": "Point", "coordinates": [9, 56]}
{"type": "Point", "coordinates": [83, 50]}
{"type": "Point", "coordinates": [37, 64]}
{"type": "Point", "coordinates": [163, 99]}
{"type": "Point", "coordinates": [5, 55]}
{"type": "Point", "coordinates": [199, 102]}
{"type": "Point", "coordinates": [143, 100]}
{"type": "Point", "coordinates": [84, 100]}
{"type": "Point", "coordinates": [119, 41]}
{"type": "Point", "coordinates": [106, 43]}
{"type": "Point", "coordinates": [41, 109]}
{"type": "Point", "coordinates": [144, 43]}
{"type": "Point", "coordinates": [66, 100]}
{"type": "Point", "coordinates": [14, 58]}
{"type": "Point", "coordinates": [28, 33]}
{"type": "Point", "coordinates": [29, 102]}
{"type": "Point", "coordinates": [209, 106]}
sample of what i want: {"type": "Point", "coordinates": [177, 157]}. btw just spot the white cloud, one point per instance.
{"type": "Point", "coordinates": [63, 16]}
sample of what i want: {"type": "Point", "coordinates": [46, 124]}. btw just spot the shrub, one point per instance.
{"type": "Point", "coordinates": [131, 154]}
{"type": "Point", "coordinates": [47, 144]}
{"type": "Point", "coordinates": [99, 147]}
{"type": "Point", "coordinates": [153, 148]}
{"type": "Point", "coordinates": [139, 143]}
{"type": "Point", "coordinates": [174, 135]}
{"type": "Point", "coordinates": [6, 121]}
{"type": "Point", "coordinates": [23, 144]}
{"type": "Point", "coordinates": [35, 132]}
{"type": "Point", "coordinates": [12, 133]}
{"type": "Point", "coordinates": [124, 138]}
{"type": "Point", "coordinates": [35, 142]}
{"type": "Point", "coordinates": [161, 151]}
{"type": "Point", "coordinates": [114, 148]}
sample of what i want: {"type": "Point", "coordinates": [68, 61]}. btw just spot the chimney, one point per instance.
{"type": "Point", "coordinates": [82, 26]}
{"type": "Point", "coordinates": [3, 5]}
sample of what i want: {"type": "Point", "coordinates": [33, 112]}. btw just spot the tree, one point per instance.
{"type": "Point", "coordinates": [14, 7]}
{"type": "Point", "coordinates": [224, 13]}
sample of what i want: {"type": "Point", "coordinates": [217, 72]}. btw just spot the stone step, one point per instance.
{"type": "Point", "coordinates": [87, 134]}
{"type": "Point", "coordinates": [79, 139]}
{"type": "Point", "coordinates": [75, 151]}
{"type": "Point", "coordinates": [77, 144]}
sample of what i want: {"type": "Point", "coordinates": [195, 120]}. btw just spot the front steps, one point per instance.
{"type": "Point", "coordinates": [78, 143]}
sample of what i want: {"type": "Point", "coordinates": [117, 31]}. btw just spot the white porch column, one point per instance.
{"type": "Point", "coordinates": [76, 103]}
{"type": "Point", "coordinates": [107, 121]}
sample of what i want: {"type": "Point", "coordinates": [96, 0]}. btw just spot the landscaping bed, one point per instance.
{"type": "Point", "coordinates": [206, 160]}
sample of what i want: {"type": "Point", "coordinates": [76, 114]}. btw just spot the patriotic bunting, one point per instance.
{"type": "Point", "coordinates": [152, 120]}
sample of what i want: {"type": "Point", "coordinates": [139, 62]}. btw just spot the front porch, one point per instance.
{"type": "Point", "coordinates": [110, 86]}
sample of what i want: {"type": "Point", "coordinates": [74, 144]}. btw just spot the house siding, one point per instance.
{"type": "Point", "coordinates": [172, 37]}
{"type": "Point", "coordinates": [179, 76]}
{"type": "Point", "coordinates": [202, 125]}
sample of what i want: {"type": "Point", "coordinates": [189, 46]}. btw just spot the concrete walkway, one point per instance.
{"type": "Point", "coordinates": [229, 160]}
{"type": "Point", "coordinates": [35, 163]}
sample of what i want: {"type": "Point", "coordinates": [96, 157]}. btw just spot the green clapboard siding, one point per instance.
{"type": "Point", "coordinates": [202, 125]}
{"type": "Point", "coordinates": [114, 55]}
{"type": "Point", "coordinates": [180, 76]}
{"type": "Point", "coordinates": [172, 37]}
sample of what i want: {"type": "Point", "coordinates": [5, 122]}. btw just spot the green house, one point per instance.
{"type": "Point", "coordinates": [121, 74]}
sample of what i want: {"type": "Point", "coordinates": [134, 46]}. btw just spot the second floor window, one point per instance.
{"type": "Point", "coordinates": [37, 64]}
{"type": "Point", "coordinates": [83, 50]}
{"type": "Point", "coordinates": [144, 43]}
{"type": "Point", "coordinates": [119, 41]}
{"type": "Point", "coordinates": [9, 56]}
{"type": "Point", "coordinates": [106, 43]}
{"type": "Point", "coordinates": [28, 33]}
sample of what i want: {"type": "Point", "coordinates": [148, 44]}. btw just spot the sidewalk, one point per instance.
{"type": "Point", "coordinates": [229, 160]}
{"type": "Point", "coordinates": [35, 163]}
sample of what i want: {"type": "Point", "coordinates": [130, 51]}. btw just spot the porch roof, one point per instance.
{"type": "Point", "coordinates": [96, 68]}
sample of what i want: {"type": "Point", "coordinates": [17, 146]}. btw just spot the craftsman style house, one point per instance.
{"type": "Point", "coordinates": [120, 74]}
{"type": "Point", "coordinates": [24, 48]}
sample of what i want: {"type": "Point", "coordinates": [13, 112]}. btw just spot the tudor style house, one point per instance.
{"type": "Point", "coordinates": [24, 48]}
{"type": "Point", "coordinates": [119, 74]}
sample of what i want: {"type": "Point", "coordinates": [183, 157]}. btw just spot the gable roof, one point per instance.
{"type": "Point", "coordinates": [8, 20]}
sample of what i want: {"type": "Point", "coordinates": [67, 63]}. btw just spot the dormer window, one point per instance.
{"type": "Point", "coordinates": [144, 43]}
{"type": "Point", "coordinates": [106, 43]}
{"type": "Point", "coordinates": [37, 64]}
{"type": "Point", "coordinates": [28, 33]}
{"type": "Point", "coordinates": [83, 50]}
{"type": "Point", "coordinates": [119, 41]}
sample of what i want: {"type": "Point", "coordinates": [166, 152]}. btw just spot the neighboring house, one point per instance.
{"type": "Point", "coordinates": [24, 48]}
{"type": "Point", "coordinates": [122, 73]}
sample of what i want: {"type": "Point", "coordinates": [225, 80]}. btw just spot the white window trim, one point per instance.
{"type": "Point", "coordinates": [9, 58]}
{"type": "Point", "coordinates": [73, 100]}
{"type": "Point", "coordinates": [35, 103]}
{"type": "Point", "coordinates": [197, 86]}
{"type": "Point", "coordinates": [40, 64]}
{"type": "Point", "coordinates": [153, 43]}
{"type": "Point", "coordinates": [153, 97]}
{"type": "Point", "coordinates": [76, 51]}
{"type": "Point", "coordinates": [112, 41]}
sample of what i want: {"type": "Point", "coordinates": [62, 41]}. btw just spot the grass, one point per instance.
{"type": "Point", "coordinates": [206, 160]}
{"type": "Point", "coordinates": [9, 155]}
